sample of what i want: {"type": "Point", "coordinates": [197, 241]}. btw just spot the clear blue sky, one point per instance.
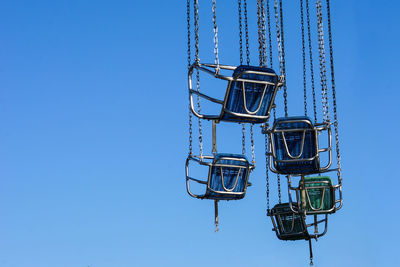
{"type": "Point", "coordinates": [93, 139]}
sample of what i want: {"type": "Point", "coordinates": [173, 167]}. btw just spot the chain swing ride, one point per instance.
{"type": "Point", "coordinates": [293, 144]}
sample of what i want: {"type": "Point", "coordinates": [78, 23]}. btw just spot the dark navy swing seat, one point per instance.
{"type": "Point", "coordinates": [249, 96]}
{"type": "Point", "coordinates": [294, 146]}
{"type": "Point", "coordinates": [288, 225]}
{"type": "Point", "coordinates": [227, 176]}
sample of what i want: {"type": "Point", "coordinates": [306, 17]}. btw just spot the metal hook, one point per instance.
{"type": "Point", "coordinates": [311, 253]}
{"type": "Point", "coordinates": [216, 220]}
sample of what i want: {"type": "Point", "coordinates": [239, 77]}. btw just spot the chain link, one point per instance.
{"type": "Point", "coordinates": [267, 164]}
{"type": "Point", "coordinates": [189, 53]}
{"type": "Point", "coordinates": [261, 32]}
{"type": "Point", "coordinates": [253, 154]}
{"type": "Point", "coordinates": [279, 189]}
{"type": "Point", "coordinates": [311, 60]}
{"type": "Point", "coordinates": [214, 10]}
{"type": "Point", "coordinates": [283, 57]}
{"type": "Point", "coordinates": [246, 26]}
{"type": "Point", "coordinates": [322, 62]}
{"type": "Point", "coordinates": [243, 139]}
{"type": "Point", "coordinates": [269, 36]}
{"type": "Point", "coordinates": [240, 31]}
{"type": "Point", "coordinates": [281, 52]}
{"type": "Point", "coordinates": [264, 33]}
{"type": "Point", "coordinates": [304, 56]}
{"type": "Point", "coordinates": [260, 58]}
{"type": "Point", "coordinates": [196, 29]}
{"type": "Point", "coordinates": [338, 158]}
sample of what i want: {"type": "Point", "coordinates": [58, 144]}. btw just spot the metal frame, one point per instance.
{"type": "Point", "coordinates": [317, 128]}
{"type": "Point", "coordinates": [214, 70]}
{"type": "Point", "coordinates": [210, 162]}
{"type": "Point", "coordinates": [302, 193]}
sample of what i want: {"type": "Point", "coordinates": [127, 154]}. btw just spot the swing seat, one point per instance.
{"type": "Point", "coordinates": [249, 96]}
{"type": "Point", "coordinates": [319, 194]}
{"type": "Point", "coordinates": [227, 176]}
{"type": "Point", "coordinates": [294, 143]}
{"type": "Point", "coordinates": [288, 225]}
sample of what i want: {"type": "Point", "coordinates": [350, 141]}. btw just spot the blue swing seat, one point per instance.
{"type": "Point", "coordinates": [259, 97]}
{"type": "Point", "coordinates": [292, 154]}
{"type": "Point", "coordinates": [228, 176]}
{"type": "Point", "coordinates": [228, 182]}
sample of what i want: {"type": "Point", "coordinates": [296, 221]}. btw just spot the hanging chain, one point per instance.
{"type": "Point", "coordinates": [189, 53]}
{"type": "Point", "coordinates": [196, 30]}
{"type": "Point", "coordinates": [304, 57]}
{"type": "Point", "coordinates": [264, 32]}
{"type": "Point", "coordinates": [339, 173]}
{"type": "Point", "coordinates": [311, 60]}
{"type": "Point", "coordinates": [243, 139]}
{"type": "Point", "coordinates": [214, 10]}
{"type": "Point", "coordinates": [267, 164]}
{"type": "Point", "coordinates": [261, 32]}
{"type": "Point", "coordinates": [253, 154]}
{"type": "Point", "coordinates": [269, 35]}
{"type": "Point", "coordinates": [279, 35]}
{"type": "Point", "coordinates": [241, 62]}
{"type": "Point", "coordinates": [279, 189]}
{"type": "Point", "coordinates": [240, 31]}
{"type": "Point", "coordinates": [283, 56]}
{"type": "Point", "coordinates": [260, 58]}
{"type": "Point", "coordinates": [246, 27]}
{"type": "Point", "coordinates": [322, 62]}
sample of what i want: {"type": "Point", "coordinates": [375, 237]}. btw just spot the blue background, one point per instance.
{"type": "Point", "coordinates": [93, 138]}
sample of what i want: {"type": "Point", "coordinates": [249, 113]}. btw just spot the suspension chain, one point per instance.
{"type": "Point", "coordinates": [283, 56]}
{"type": "Point", "coordinates": [304, 56]}
{"type": "Point", "coordinates": [339, 173]}
{"type": "Point", "coordinates": [259, 32]}
{"type": "Point", "coordinates": [322, 62]}
{"type": "Point", "coordinates": [243, 139]}
{"type": "Point", "coordinates": [311, 60]}
{"type": "Point", "coordinates": [246, 26]}
{"type": "Point", "coordinates": [196, 30]}
{"type": "Point", "coordinates": [267, 163]}
{"type": "Point", "coordinates": [189, 53]}
{"type": "Point", "coordinates": [214, 10]}
{"type": "Point", "coordinates": [253, 154]}
{"type": "Point", "coordinates": [269, 35]}
{"type": "Point", "coordinates": [279, 34]}
{"type": "Point", "coordinates": [240, 31]}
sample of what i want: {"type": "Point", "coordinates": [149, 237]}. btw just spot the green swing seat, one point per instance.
{"type": "Point", "coordinates": [317, 194]}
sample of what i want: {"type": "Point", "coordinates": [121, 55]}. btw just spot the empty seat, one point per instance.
{"type": "Point", "coordinates": [250, 98]}
{"type": "Point", "coordinates": [227, 177]}
{"type": "Point", "coordinates": [249, 95]}
{"type": "Point", "coordinates": [318, 195]}
{"type": "Point", "coordinates": [288, 225]}
{"type": "Point", "coordinates": [294, 146]}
